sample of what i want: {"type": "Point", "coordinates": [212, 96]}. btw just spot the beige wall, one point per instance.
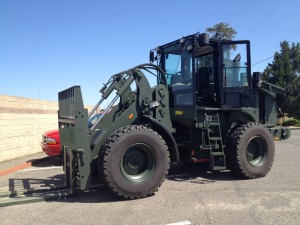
{"type": "Point", "coordinates": [22, 123]}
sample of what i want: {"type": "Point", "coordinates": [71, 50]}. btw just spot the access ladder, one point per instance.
{"type": "Point", "coordinates": [215, 143]}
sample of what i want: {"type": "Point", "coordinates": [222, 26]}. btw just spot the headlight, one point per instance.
{"type": "Point", "coordinates": [50, 141]}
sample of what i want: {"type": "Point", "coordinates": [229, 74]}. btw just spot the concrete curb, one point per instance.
{"type": "Point", "coordinates": [294, 128]}
{"type": "Point", "coordinates": [22, 166]}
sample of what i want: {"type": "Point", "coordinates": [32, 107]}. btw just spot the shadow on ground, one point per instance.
{"type": "Point", "coordinates": [46, 161]}
{"type": "Point", "coordinates": [198, 174]}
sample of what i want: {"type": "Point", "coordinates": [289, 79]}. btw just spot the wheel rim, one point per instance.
{"type": "Point", "coordinates": [137, 164]}
{"type": "Point", "coordinates": [256, 151]}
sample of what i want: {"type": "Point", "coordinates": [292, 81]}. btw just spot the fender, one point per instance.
{"type": "Point", "coordinates": [166, 134]}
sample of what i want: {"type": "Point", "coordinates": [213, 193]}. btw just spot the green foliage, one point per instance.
{"type": "Point", "coordinates": [284, 71]}
{"type": "Point", "coordinates": [291, 122]}
{"type": "Point", "coordinates": [222, 31]}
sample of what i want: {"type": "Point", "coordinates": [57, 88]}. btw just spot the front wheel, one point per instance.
{"type": "Point", "coordinates": [134, 162]}
{"type": "Point", "coordinates": [250, 150]}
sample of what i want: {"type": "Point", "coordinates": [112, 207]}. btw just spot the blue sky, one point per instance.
{"type": "Point", "coordinates": [49, 45]}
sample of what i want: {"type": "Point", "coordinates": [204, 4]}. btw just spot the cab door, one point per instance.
{"type": "Point", "coordinates": [236, 74]}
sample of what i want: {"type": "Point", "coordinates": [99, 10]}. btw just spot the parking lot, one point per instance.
{"type": "Point", "coordinates": [190, 195]}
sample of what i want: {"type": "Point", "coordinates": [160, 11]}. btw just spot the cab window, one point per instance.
{"type": "Point", "coordinates": [235, 65]}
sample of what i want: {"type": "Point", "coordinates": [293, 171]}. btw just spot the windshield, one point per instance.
{"type": "Point", "coordinates": [177, 64]}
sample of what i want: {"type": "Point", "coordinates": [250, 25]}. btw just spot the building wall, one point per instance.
{"type": "Point", "coordinates": [22, 123]}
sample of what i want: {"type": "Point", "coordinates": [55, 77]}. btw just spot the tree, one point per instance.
{"type": "Point", "coordinates": [221, 31]}
{"type": "Point", "coordinates": [284, 72]}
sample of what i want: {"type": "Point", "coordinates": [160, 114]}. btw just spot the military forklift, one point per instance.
{"type": "Point", "coordinates": [207, 106]}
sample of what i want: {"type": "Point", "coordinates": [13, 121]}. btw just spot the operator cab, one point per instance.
{"type": "Point", "coordinates": [206, 74]}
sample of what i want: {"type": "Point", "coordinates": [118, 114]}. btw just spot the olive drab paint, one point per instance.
{"type": "Point", "coordinates": [205, 93]}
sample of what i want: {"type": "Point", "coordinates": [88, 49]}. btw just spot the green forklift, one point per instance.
{"type": "Point", "coordinates": [207, 106]}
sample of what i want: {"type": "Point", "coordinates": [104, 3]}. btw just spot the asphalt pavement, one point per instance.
{"type": "Point", "coordinates": [190, 195]}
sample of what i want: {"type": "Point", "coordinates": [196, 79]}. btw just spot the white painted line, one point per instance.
{"type": "Point", "coordinates": [42, 168]}
{"type": "Point", "coordinates": [177, 175]}
{"type": "Point", "coordinates": [180, 223]}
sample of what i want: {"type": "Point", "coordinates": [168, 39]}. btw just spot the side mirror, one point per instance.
{"type": "Point", "coordinates": [256, 80]}
{"type": "Point", "coordinates": [151, 56]}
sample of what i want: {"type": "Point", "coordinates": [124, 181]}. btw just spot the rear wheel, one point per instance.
{"type": "Point", "coordinates": [134, 162]}
{"type": "Point", "coordinates": [250, 150]}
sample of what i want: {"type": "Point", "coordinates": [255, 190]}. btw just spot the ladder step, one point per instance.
{"type": "Point", "coordinates": [205, 147]}
{"type": "Point", "coordinates": [215, 138]}
{"type": "Point", "coordinates": [217, 153]}
{"type": "Point", "coordinates": [218, 168]}
{"type": "Point", "coordinates": [213, 123]}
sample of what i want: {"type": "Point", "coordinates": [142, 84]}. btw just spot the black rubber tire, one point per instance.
{"type": "Point", "coordinates": [134, 162]}
{"type": "Point", "coordinates": [250, 151]}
